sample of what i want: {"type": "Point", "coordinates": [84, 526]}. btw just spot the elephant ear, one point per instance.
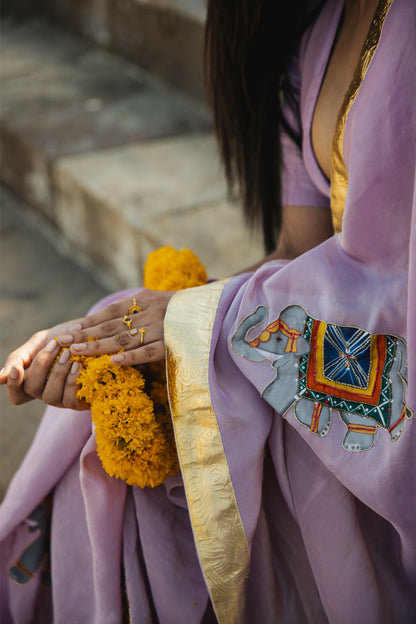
{"type": "Point", "coordinates": [303, 346]}
{"type": "Point", "coordinates": [239, 342]}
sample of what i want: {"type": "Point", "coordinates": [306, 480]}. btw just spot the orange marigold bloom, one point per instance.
{"type": "Point", "coordinates": [169, 269]}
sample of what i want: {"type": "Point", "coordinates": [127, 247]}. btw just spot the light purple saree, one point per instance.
{"type": "Point", "coordinates": [292, 392]}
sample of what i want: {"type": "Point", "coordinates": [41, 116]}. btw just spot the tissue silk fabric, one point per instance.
{"type": "Point", "coordinates": [314, 361]}
{"type": "Point", "coordinates": [292, 392]}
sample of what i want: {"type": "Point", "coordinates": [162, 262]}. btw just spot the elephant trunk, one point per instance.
{"type": "Point", "coordinates": [239, 342]}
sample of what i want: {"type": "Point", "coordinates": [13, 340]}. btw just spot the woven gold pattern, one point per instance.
{"type": "Point", "coordinates": [216, 522]}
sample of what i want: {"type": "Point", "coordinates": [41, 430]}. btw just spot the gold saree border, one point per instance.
{"type": "Point", "coordinates": [218, 530]}
{"type": "Point", "coordinates": [339, 175]}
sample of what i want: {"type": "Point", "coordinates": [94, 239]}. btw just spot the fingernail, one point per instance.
{"type": "Point", "coordinates": [79, 347]}
{"type": "Point", "coordinates": [51, 346]}
{"type": "Point", "coordinates": [14, 373]}
{"type": "Point", "coordinates": [2, 371]}
{"type": "Point", "coordinates": [75, 327]}
{"type": "Point", "coordinates": [118, 358]}
{"type": "Point", "coordinates": [64, 357]}
{"type": "Point", "coordinates": [75, 368]}
{"type": "Point", "coordinates": [67, 338]}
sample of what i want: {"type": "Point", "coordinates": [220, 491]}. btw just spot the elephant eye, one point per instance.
{"type": "Point", "coordinates": [279, 339]}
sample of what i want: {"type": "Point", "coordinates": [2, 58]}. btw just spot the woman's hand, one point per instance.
{"type": "Point", "coordinates": [58, 386]}
{"type": "Point", "coordinates": [139, 335]}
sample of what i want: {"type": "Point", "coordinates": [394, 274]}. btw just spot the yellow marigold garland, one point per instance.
{"type": "Point", "coordinates": [130, 411]}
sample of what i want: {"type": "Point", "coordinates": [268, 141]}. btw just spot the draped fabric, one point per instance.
{"type": "Point", "coordinates": [292, 393]}
{"type": "Point", "coordinates": [311, 364]}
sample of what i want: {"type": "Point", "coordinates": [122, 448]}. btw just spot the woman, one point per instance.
{"type": "Point", "coordinates": [288, 389]}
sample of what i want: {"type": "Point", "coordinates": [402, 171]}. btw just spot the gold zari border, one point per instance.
{"type": "Point", "coordinates": [218, 529]}
{"type": "Point", "coordinates": [339, 175]}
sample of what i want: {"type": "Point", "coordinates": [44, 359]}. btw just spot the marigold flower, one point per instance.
{"type": "Point", "coordinates": [130, 411]}
{"type": "Point", "coordinates": [169, 269]}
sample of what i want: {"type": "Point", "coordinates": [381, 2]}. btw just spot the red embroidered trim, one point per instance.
{"type": "Point", "coordinates": [317, 409]}
{"type": "Point", "coordinates": [273, 328]}
{"type": "Point", "coordinates": [399, 420]}
{"type": "Point", "coordinates": [361, 428]}
{"type": "Point", "coordinates": [23, 568]}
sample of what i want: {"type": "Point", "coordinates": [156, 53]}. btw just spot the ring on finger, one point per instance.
{"type": "Point", "coordinates": [134, 308]}
{"type": "Point", "coordinates": [127, 320]}
{"type": "Point", "coordinates": [142, 332]}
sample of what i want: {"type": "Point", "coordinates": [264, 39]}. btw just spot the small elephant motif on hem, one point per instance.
{"type": "Point", "coordinates": [35, 558]}
{"type": "Point", "coordinates": [321, 367]}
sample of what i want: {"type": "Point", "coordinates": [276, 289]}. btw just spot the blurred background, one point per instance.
{"type": "Point", "coordinates": [107, 153]}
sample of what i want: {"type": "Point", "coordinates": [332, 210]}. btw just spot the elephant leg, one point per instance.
{"type": "Point", "coordinates": [280, 392]}
{"type": "Point", "coordinates": [398, 378]}
{"type": "Point", "coordinates": [313, 415]}
{"type": "Point", "coordinates": [360, 434]}
{"type": "Point", "coordinates": [399, 422]}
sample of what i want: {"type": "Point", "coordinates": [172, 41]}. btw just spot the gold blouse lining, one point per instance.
{"type": "Point", "coordinates": [339, 175]}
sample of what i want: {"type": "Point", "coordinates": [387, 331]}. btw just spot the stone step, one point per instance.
{"type": "Point", "coordinates": [114, 160]}
{"type": "Point", "coordinates": [162, 36]}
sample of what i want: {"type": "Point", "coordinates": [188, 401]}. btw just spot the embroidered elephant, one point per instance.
{"type": "Point", "coordinates": [36, 556]}
{"type": "Point", "coordinates": [320, 366]}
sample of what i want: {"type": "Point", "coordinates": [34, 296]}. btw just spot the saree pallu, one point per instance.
{"type": "Point", "coordinates": [293, 389]}
{"type": "Point", "coordinates": [292, 393]}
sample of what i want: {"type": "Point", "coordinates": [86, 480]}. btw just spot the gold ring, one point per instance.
{"type": "Point", "coordinates": [134, 308]}
{"type": "Point", "coordinates": [133, 332]}
{"type": "Point", "coordinates": [127, 320]}
{"type": "Point", "coordinates": [142, 332]}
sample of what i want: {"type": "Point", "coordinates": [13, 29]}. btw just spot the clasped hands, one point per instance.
{"type": "Point", "coordinates": [27, 371]}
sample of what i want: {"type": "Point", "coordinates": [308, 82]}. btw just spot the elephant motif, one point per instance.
{"type": "Point", "coordinates": [322, 366]}
{"type": "Point", "coordinates": [36, 555]}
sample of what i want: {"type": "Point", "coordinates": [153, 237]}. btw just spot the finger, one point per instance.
{"type": "Point", "coordinates": [39, 370]}
{"type": "Point", "coordinates": [127, 340]}
{"type": "Point", "coordinates": [114, 319]}
{"type": "Point", "coordinates": [69, 398]}
{"type": "Point", "coordinates": [53, 389]}
{"type": "Point", "coordinates": [15, 390]}
{"type": "Point", "coordinates": [153, 352]}
{"type": "Point", "coordinates": [22, 357]}
{"type": "Point", "coordinates": [103, 330]}
{"type": "Point", "coordinates": [115, 310]}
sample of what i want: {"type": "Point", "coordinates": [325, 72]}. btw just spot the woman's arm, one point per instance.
{"type": "Point", "coordinates": [303, 227]}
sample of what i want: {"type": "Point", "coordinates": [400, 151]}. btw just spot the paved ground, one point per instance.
{"type": "Point", "coordinates": [39, 287]}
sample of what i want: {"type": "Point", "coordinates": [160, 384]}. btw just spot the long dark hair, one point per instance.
{"type": "Point", "coordinates": [248, 45]}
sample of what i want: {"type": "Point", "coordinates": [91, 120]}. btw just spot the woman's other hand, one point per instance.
{"type": "Point", "coordinates": [13, 372]}
{"type": "Point", "coordinates": [54, 383]}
